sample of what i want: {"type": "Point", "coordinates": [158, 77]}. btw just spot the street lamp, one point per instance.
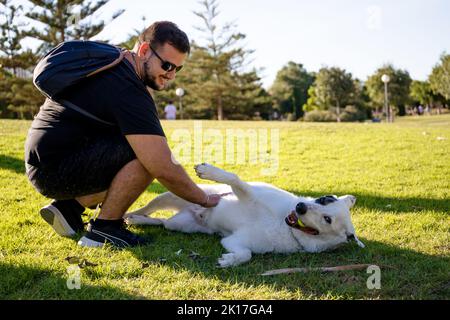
{"type": "Point", "coordinates": [385, 78]}
{"type": "Point", "coordinates": [180, 92]}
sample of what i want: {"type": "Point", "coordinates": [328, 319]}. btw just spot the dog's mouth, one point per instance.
{"type": "Point", "coordinates": [293, 221]}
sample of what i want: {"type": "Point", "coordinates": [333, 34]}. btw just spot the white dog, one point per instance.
{"type": "Point", "coordinates": [256, 217]}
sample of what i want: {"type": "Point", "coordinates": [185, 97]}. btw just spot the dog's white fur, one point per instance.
{"type": "Point", "coordinates": [251, 218]}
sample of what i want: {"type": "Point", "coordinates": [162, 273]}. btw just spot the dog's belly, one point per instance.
{"type": "Point", "coordinates": [215, 188]}
{"type": "Point", "coordinates": [229, 215]}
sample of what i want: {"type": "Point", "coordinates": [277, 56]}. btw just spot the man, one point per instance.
{"type": "Point", "coordinates": [170, 111]}
{"type": "Point", "coordinates": [81, 162]}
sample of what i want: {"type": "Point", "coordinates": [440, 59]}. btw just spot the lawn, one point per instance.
{"type": "Point", "coordinates": [400, 174]}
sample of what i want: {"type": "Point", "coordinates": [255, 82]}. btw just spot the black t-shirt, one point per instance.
{"type": "Point", "coordinates": [116, 95]}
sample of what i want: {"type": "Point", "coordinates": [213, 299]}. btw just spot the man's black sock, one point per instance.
{"type": "Point", "coordinates": [70, 204]}
{"type": "Point", "coordinates": [101, 223]}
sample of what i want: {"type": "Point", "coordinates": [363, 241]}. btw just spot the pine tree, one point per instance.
{"type": "Point", "coordinates": [12, 55]}
{"type": "Point", "coordinates": [65, 20]}
{"type": "Point", "coordinates": [218, 69]}
{"type": "Point", "coordinates": [133, 38]}
{"type": "Point", "coordinates": [18, 97]}
{"type": "Point", "coordinates": [23, 98]}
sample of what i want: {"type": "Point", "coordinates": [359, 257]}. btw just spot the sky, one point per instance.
{"type": "Point", "coordinates": [357, 35]}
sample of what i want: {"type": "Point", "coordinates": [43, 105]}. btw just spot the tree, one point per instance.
{"type": "Point", "coordinates": [312, 103]}
{"type": "Point", "coordinates": [360, 98]}
{"type": "Point", "coordinates": [248, 99]}
{"type": "Point", "coordinates": [218, 76]}
{"type": "Point", "coordinates": [332, 88]}
{"type": "Point", "coordinates": [12, 55]}
{"type": "Point", "coordinates": [22, 98]}
{"type": "Point", "coordinates": [421, 92]}
{"type": "Point", "coordinates": [133, 38]}
{"type": "Point", "coordinates": [18, 97]}
{"type": "Point", "coordinates": [398, 88]}
{"type": "Point", "coordinates": [65, 20]}
{"type": "Point", "coordinates": [440, 77]}
{"type": "Point", "coordinates": [290, 88]}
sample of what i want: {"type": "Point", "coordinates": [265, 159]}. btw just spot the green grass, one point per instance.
{"type": "Point", "coordinates": [400, 174]}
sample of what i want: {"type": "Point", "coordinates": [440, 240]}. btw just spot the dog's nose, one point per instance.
{"type": "Point", "coordinates": [301, 208]}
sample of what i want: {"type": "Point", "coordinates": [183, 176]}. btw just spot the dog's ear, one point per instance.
{"type": "Point", "coordinates": [349, 200]}
{"type": "Point", "coordinates": [352, 237]}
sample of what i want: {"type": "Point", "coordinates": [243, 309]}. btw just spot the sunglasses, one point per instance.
{"type": "Point", "coordinates": [166, 65]}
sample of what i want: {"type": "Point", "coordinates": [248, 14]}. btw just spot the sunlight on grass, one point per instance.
{"type": "Point", "coordinates": [399, 174]}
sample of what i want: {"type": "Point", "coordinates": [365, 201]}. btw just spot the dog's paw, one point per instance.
{"type": "Point", "coordinates": [208, 172]}
{"type": "Point", "coordinates": [202, 169]}
{"type": "Point", "coordinates": [135, 219]}
{"type": "Point", "coordinates": [227, 260]}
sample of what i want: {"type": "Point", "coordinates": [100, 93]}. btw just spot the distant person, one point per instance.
{"type": "Point", "coordinates": [275, 115]}
{"type": "Point", "coordinates": [420, 110]}
{"type": "Point", "coordinates": [170, 111]}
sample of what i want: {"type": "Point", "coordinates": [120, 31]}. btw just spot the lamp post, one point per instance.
{"type": "Point", "coordinates": [385, 78]}
{"type": "Point", "coordinates": [180, 92]}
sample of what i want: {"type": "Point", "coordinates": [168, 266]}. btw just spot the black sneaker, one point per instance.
{"type": "Point", "coordinates": [110, 231]}
{"type": "Point", "coordinates": [64, 216]}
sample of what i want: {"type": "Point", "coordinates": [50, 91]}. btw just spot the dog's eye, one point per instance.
{"type": "Point", "coordinates": [328, 219]}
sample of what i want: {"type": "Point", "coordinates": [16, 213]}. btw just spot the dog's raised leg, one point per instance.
{"type": "Point", "coordinates": [238, 253]}
{"type": "Point", "coordinates": [241, 189]}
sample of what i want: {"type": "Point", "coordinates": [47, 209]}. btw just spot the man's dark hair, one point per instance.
{"type": "Point", "coordinates": [161, 32]}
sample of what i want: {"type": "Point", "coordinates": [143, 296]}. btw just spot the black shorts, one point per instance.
{"type": "Point", "coordinates": [89, 169]}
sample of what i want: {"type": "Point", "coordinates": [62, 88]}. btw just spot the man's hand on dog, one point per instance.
{"type": "Point", "coordinates": [211, 200]}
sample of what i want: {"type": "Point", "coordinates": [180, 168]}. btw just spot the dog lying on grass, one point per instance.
{"type": "Point", "coordinates": [256, 218]}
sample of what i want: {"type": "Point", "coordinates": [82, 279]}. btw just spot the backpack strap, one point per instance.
{"type": "Point", "coordinates": [112, 64]}
{"type": "Point", "coordinates": [84, 112]}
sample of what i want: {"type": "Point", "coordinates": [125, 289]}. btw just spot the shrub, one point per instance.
{"type": "Point", "coordinates": [351, 114]}
{"type": "Point", "coordinates": [290, 117]}
{"type": "Point", "coordinates": [319, 116]}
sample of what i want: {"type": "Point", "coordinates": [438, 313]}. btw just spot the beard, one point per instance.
{"type": "Point", "coordinates": [150, 81]}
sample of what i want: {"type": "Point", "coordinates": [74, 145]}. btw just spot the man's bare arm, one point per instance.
{"type": "Point", "coordinates": [155, 155]}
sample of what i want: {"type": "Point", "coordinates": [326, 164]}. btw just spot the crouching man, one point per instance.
{"type": "Point", "coordinates": [80, 162]}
